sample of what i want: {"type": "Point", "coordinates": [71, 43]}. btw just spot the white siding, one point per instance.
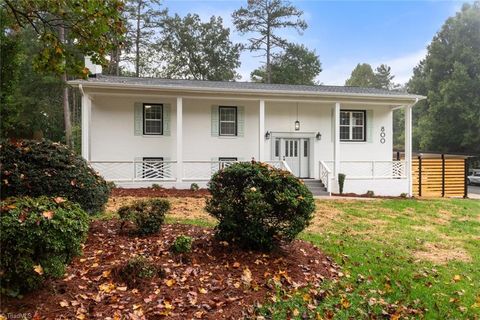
{"type": "Point", "coordinates": [198, 142]}
{"type": "Point", "coordinates": [112, 131]}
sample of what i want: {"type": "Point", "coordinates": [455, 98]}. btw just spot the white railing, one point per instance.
{"type": "Point", "coordinates": [279, 164]}
{"type": "Point", "coordinates": [325, 175]}
{"type": "Point", "coordinates": [135, 170]}
{"type": "Point", "coordinates": [367, 169]}
{"type": "Point", "coordinates": [202, 170]}
{"type": "Point", "coordinates": [373, 169]}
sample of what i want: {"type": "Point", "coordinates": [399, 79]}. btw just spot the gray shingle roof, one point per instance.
{"type": "Point", "coordinates": [250, 86]}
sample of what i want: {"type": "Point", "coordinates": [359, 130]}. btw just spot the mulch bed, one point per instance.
{"type": "Point", "coordinates": [214, 281]}
{"type": "Point", "coordinates": [158, 192]}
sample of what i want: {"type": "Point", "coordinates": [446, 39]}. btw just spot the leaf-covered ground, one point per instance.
{"type": "Point", "coordinates": [213, 281]}
{"type": "Point", "coordinates": [400, 259]}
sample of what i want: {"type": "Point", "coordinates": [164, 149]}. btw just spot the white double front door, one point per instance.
{"type": "Point", "coordinates": [296, 152]}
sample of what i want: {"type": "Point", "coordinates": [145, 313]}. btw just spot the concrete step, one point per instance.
{"type": "Point", "coordinates": [312, 182]}
{"type": "Point", "coordinates": [316, 187]}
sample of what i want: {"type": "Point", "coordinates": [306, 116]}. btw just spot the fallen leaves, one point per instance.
{"type": "Point", "coordinates": [247, 277]}
{"type": "Point", "coordinates": [213, 281]}
{"type": "Point", "coordinates": [59, 200]}
{"type": "Point", "coordinates": [38, 269]}
{"type": "Point", "coordinates": [106, 287]}
{"type": "Point", "coordinates": [345, 303]}
{"type": "Point", "coordinates": [170, 282]}
{"type": "Point", "coordinates": [47, 214]}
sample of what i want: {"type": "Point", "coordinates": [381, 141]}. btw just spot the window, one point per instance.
{"type": "Point", "coordinates": [291, 148]}
{"type": "Point", "coordinates": [226, 161]}
{"type": "Point", "coordinates": [277, 147]}
{"type": "Point", "coordinates": [228, 121]}
{"type": "Point", "coordinates": [352, 125]}
{"type": "Point", "coordinates": [305, 148]}
{"type": "Point", "coordinates": [153, 119]}
{"type": "Point", "coordinates": [153, 168]}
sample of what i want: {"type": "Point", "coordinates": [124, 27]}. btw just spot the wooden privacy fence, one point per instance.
{"type": "Point", "coordinates": [439, 177]}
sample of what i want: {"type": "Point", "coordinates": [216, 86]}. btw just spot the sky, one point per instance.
{"type": "Point", "coordinates": [345, 33]}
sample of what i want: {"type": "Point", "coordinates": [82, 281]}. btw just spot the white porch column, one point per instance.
{"type": "Point", "coordinates": [261, 131]}
{"type": "Point", "coordinates": [336, 139]}
{"type": "Point", "coordinates": [179, 140]}
{"type": "Point", "coordinates": [408, 147]}
{"type": "Point", "coordinates": [86, 111]}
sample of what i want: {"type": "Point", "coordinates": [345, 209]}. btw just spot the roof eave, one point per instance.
{"type": "Point", "coordinates": [104, 85]}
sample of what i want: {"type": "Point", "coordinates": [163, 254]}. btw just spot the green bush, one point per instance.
{"type": "Point", "coordinates": [182, 244]}
{"type": "Point", "coordinates": [341, 182]}
{"type": "Point", "coordinates": [147, 215]}
{"type": "Point", "coordinates": [258, 206]}
{"type": "Point", "coordinates": [39, 237]}
{"type": "Point", "coordinates": [136, 270]}
{"type": "Point", "coordinates": [194, 187]}
{"type": "Point", "coordinates": [44, 168]}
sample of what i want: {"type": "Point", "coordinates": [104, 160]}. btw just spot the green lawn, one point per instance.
{"type": "Point", "coordinates": [404, 258]}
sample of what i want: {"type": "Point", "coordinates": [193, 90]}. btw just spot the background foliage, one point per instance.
{"type": "Point", "coordinates": [449, 120]}
{"type": "Point", "coordinates": [140, 38]}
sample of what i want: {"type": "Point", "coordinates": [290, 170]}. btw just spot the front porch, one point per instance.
{"type": "Point", "coordinates": [314, 136]}
{"type": "Point", "coordinates": [362, 176]}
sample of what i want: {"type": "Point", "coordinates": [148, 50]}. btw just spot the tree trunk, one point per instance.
{"type": "Point", "coordinates": [269, 67]}
{"type": "Point", "coordinates": [66, 107]}
{"type": "Point", "coordinates": [117, 70]}
{"type": "Point", "coordinates": [137, 41]}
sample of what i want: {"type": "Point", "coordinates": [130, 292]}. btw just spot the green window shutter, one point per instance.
{"type": "Point", "coordinates": [166, 119]}
{"type": "Point", "coordinates": [214, 117]}
{"type": "Point", "coordinates": [241, 121]}
{"type": "Point", "coordinates": [369, 124]}
{"type": "Point", "coordinates": [138, 118]}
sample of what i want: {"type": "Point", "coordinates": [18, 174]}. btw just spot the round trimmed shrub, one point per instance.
{"type": "Point", "coordinates": [39, 237]}
{"type": "Point", "coordinates": [45, 168]}
{"type": "Point", "coordinates": [182, 244]}
{"type": "Point", "coordinates": [258, 206]}
{"type": "Point", "coordinates": [136, 271]}
{"type": "Point", "coordinates": [147, 215]}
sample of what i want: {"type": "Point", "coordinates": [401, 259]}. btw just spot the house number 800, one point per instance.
{"type": "Point", "coordinates": [382, 135]}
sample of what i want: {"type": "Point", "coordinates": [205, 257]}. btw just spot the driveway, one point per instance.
{"type": "Point", "coordinates": [474, 192]}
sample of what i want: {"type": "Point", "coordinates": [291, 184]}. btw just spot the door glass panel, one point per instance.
{"type": "Point", "coordinates": [305, 148]}
{"type": "Point", "coordinates": [296, 148]}
{"type": "Point", "coordinates": [277, 148]}
{"type": "Point", "coordinates": [286, 148]}
{"type": "Point", "coordinates": [291, 148]}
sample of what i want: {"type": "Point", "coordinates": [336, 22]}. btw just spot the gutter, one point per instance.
{"type": "Point", "coordinates": [104, 85]}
